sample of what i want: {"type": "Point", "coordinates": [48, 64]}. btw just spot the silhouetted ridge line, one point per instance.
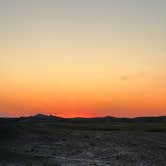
{"type": "Point", "coordinates": [42, 117]}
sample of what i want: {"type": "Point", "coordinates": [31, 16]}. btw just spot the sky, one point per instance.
{"type": "Point", "coordinates": [83, 58]}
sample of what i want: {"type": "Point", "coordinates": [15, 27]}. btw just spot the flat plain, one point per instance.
{"type": "Point", "coordinates": [52, 141]}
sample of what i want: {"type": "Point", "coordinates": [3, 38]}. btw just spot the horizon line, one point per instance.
{"type": "Point", "coordinates": [51, 115]}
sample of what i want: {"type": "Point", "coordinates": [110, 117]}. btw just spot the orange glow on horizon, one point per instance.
{"type": "Point", "coordinates": [72, 105]}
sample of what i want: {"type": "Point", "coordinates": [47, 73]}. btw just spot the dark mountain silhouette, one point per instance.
{"type": "Point", "coordinates": [43, 117]}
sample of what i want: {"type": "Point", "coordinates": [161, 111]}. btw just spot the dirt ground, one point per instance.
{"type": "Point", "coordinates": [40, 145]}
{"type": "Point", "coordinates": [85, 148]}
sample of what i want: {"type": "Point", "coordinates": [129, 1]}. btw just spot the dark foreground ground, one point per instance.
{"type": "Point", "coordinates": [49, 141]}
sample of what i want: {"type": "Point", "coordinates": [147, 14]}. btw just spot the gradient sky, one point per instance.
{"type": "Point", "coordinates": [83, 57]}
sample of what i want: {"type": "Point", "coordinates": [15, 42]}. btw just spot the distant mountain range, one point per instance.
{"type": "Point", "coordinates": [42, 117]}
{"type": "Point", "coordinates": [41, 125]}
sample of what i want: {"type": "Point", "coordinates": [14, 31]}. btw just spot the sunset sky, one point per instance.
{"type": "Point", "coordinates": [85, 58]}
